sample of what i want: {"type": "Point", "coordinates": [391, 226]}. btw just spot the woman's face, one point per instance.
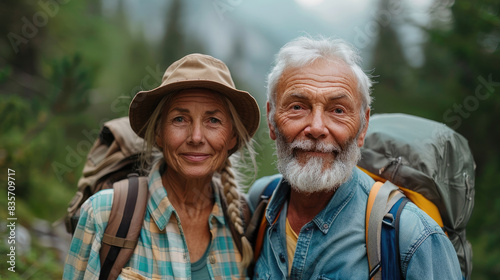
{"type": "Point", "coordinates": [196, 133]}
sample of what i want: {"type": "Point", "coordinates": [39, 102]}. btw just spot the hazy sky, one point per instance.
{"type": "Point", "coordinates": [357, 21]}
{"type": "Point", "coordinates": [264, 26]}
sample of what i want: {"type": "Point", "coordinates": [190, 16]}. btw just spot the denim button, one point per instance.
{"type": "Point", "coordinates": [325, 226]}
{"type": "Point", "coordinates": [282, 258]}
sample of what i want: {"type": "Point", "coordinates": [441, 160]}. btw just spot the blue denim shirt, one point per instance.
{"type": "Point", "coordinates": [332, 245]}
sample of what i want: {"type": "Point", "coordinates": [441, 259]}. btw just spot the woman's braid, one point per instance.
{"type": "Point", "coordinates": [234, 209]}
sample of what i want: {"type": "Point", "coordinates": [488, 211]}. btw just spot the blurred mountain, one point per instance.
{"type": "Point", "coordinates": [244, 34]}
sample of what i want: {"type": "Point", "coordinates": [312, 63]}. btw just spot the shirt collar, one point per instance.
{"type": "Point", "coordinates": [217, 211]}
{"type": "Point", "coordinates": [160, 207]}
{"type": "Point", "coordinates": [340, 199]}
{"type": "Point", "coordinates": [279, 197]}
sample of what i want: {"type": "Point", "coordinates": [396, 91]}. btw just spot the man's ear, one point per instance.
{"type": "Point", "coordinates": [362, 135]}
{"type": "Point", "coordinates": [272, 133]}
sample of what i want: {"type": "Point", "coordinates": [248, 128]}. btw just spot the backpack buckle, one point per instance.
{"type": "Point", "coordinates": [132, 175]}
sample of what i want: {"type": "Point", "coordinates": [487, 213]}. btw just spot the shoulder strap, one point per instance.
{"type": "Point", "coordinates": [258, 223]}
{"type": "Point", "coordinates": [390, 257]}
{"type": "Point", "coordinates": [380, 201]}
{"type": "Point", "coordinates": [254, 227]}
{"type": "Point", "coordinates": [124, 225]}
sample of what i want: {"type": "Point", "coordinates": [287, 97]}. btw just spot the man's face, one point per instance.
{"type": "Point", "coordinates": [318, 124]}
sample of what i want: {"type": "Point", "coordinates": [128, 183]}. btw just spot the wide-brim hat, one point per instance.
{"type": "Point", "coordinates": [195, 71]}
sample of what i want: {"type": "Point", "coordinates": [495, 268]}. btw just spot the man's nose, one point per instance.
{"type": "Point", "coordinates": [316, 127]}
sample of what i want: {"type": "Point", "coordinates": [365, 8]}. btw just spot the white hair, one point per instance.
{"type": "Point", "coordinates": [314, 176]}
{"type": "Point", "coordinates": [304, 51]}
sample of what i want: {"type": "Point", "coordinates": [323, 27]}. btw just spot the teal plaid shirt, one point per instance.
{"type": "Point", "coordinates": [161, 252]}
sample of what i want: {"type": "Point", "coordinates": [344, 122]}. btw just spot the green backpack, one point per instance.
{"type": "Point", "coordinates": [429, 161]}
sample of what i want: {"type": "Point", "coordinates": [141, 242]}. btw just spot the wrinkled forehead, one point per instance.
{"type": "Point", "coordinates": [203, 99]}
{"type": "Point", "coordinates": [321, 73]}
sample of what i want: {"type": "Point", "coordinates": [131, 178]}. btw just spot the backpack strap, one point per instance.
{"type": "Point", "coordinates": [390, 257]}
{"type": "Point", "coordinates": [259, 222]}
{"type": "Point", "coordinates": [124, 225]}
{"type": "Point", "coordinates": [380, 201]}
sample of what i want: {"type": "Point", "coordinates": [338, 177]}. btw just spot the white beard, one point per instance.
{"type": "Point", "coordinates": [313, 176]}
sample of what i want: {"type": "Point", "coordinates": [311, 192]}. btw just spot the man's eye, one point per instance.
{"type": "Point", "coordinates": [339, 111]}
{"type": "Point", "coordinates": [178, 119]}
{"type": "Point", "coordinates": [296, 107]}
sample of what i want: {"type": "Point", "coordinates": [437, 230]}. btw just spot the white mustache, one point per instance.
{"type": "Point", "coordinates": [314, 146]}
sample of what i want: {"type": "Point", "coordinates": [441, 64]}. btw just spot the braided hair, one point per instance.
{"type": "Point", "coordinates": [234, 209]}
{"type": "Point", "coordinates": [229, 175]}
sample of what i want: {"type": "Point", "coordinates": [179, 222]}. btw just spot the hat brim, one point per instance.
{"type": "Point", "coordinates": [145, 102]}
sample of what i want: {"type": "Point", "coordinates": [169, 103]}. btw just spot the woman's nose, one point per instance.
{"type": "Point", "coordinates": [196, 136]}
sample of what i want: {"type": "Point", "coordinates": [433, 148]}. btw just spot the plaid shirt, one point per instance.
{"type": "Point", "coordinates": [161, 252]}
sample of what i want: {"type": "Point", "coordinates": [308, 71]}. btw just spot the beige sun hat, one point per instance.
{"type": "Point", "coordinates": [195, 71]}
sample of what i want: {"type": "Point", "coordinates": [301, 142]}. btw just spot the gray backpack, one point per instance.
{"type": "Point", "coordinates": [431, 160]}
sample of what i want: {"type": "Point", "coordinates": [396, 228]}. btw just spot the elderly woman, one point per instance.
{"type": "Point", "coordinates": [196, 119]}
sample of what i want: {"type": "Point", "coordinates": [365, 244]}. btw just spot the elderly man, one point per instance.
{"type": "Point", "coordinates": [318, 111]}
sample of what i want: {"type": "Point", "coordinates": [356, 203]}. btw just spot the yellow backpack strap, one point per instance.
{"type": "Point", "coordinates": [424, 204]}
{"type": "Point", "coordinates": [415, 197]}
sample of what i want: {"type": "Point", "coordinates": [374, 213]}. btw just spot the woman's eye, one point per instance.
{"type": "Point", "coordinates": [338, 110]}
{"type": "Point", "coordinates": [178, 119]}
{"type": "Point", "coordinates": [296, 107]}
{"type": "Point", "coordinates": [214, 121]}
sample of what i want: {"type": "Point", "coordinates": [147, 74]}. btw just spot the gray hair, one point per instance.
{"type": "Point", "coordinates": [304, 51]}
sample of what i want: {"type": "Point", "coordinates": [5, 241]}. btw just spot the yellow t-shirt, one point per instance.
{"type": "Point", "coordinates": [291, 244]}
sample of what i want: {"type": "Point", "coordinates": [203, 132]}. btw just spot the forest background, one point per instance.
{"type": "Point", "coordinates": [67, 66]}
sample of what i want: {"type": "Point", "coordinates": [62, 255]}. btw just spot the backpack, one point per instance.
{"type": "Point", "coordinates": [113, 162]}
{"type": "Point", "coordinates": [112, 157]}
{"type": "Point", "coordinates": [434, 168]}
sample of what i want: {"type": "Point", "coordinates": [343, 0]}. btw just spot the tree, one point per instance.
{"type": "Point", "coordinates": [458, 85]}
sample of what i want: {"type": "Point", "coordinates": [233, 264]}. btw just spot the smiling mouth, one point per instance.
{"type": "Point", "coordinates": [315, 153]}
{"type": "Point", "coordinates": [195, 157]}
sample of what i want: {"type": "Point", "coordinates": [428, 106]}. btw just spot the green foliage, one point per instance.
{"type": "Point", "coordinates": [39, 263]}
{"type": "Point", "coordinates": [457, 85]}
{"type": "Point", "coordinates": [82, 68]}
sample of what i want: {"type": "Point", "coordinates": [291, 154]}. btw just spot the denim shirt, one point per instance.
{"type": "Point", "coordinates": [332, 245]}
